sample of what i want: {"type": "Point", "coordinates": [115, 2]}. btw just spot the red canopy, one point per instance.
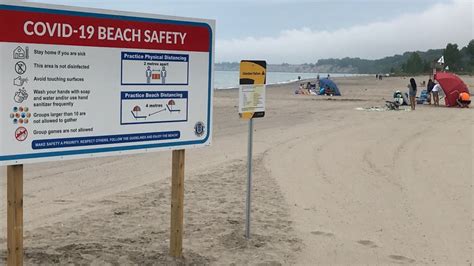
{"type": "Point", "coordinates": [452, 86]}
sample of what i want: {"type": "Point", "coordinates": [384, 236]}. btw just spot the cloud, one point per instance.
{"type": "Point", "coordinates": [433, 28]}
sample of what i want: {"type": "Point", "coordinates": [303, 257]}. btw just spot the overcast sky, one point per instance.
{"type": "Point", "coordinates": [304, 31]}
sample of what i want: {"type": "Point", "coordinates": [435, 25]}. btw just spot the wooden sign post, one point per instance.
{"type": "Point", "coordinates": [177, 203]}
{"type": "Point", "coordinates": [15, 215]}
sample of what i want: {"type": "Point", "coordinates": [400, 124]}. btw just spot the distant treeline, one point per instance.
{"type": "Point", "coordinates": [458, 60]}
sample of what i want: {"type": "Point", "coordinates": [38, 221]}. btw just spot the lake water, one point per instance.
{"type": "Point", "coordinates": [230, 79]}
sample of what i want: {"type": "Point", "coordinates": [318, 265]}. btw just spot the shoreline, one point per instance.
{"type": "Point", "coordinates": [313, 77]}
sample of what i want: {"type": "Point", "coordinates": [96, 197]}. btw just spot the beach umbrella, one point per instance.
{"type": "Point", "coordinates": [323, 83]}
{"type": "Point", "coordinates": [452, 86]}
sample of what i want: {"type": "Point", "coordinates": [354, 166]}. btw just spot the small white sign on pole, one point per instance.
{"type": "Point", "coordinates": [78, 82]}
{"type": "Point", "coordinates": [252, 99]}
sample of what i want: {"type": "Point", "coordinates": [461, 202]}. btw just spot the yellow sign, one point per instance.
{"type": "Point", "coordinates": [252, 89]}
{"type": "Point", "coordinates": [253, 72]}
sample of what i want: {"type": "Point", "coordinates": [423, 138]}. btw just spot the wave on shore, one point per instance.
{"type": "Point", "coordinates": [229, 79]}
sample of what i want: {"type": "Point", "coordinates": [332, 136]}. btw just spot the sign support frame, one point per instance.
{"type": "Point", "coordinates": [15, 215]}
{"type": "Point", "coordinates": [177, 203]}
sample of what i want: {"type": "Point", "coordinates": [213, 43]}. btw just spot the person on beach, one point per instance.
{"type": "Point", "coordinates": [412, 93]}
{"type": "Point", "coordinates": [435, 91]}
{"type": "Point", "coordinates": [300, 90]}
{"type": "Point", "coordinates": [308, 88]}
{"type": "Point", "coordinates": [304, 89]}
{"type": "Point", "coordinates": [429, 89]}
{"type": "Point", "coordinates": [464, 100]}
{"type": "Point", "coordinates": [328, 91]}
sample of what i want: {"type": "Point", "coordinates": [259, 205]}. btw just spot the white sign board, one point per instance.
{"type": "Point", "coordinates": [252, 98]}
{"type": "Point", "coordinates": [80, 82]}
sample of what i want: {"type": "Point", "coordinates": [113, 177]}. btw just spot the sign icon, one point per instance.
{"type": "Point", "coordinates": [171, 105]}
{"type": "Point", "coordinates": [21, 134]}
{"type": "Point", "coordinates": [19, 81]}
{"type": "Point", "coordinates": [163, 75]}
{"type": "Point", "coordinates": [20, 96]}
{"type": "Point", "coordinates": [136, 112]}
{"type": "Point", "coordinates": [20, 115]}
{"type": "Point", "coordinates": [20, 68]}
{"type": "Point", "coordinates": [151, 75]}
{"type": "Point", "coordinates": [148, 73]}
{"type": "Point", "coordinates": [199, 129]}
{"type": "Point", "coordinates": [20, 53]}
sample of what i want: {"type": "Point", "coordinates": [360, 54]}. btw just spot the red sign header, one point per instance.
{"type": "Point", "coordinates": [102, 31]}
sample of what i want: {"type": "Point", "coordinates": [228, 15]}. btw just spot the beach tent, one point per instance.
{"type": "Point", "coordinates": [323, 83]}
{"type": "Point", "coordinates": [452, 86]}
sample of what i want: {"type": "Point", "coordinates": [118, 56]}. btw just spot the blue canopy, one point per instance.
{"type": "Point", "coordinates": [328, 84]}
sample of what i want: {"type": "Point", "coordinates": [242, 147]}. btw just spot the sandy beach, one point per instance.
{"type": "Point", "coordinates": [335, 182]}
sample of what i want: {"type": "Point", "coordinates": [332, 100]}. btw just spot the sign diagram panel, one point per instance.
{"type": "Point", "coordinates": [82, 82]}
{"type": "Point", "coordinates": [154, 107]}
{"type": "Point", "coordinates": [154, 69]}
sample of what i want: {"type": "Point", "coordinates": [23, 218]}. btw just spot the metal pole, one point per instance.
{"type": "Point", "coordinates": [249, 180]}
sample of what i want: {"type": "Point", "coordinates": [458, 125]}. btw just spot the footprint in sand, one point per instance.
{"type": "Point", "coordinates": [401, 259]}
{"type": "Point", "coordinates": [368, 243]}
{"type": "Point", "coordinates": [320, 233]}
